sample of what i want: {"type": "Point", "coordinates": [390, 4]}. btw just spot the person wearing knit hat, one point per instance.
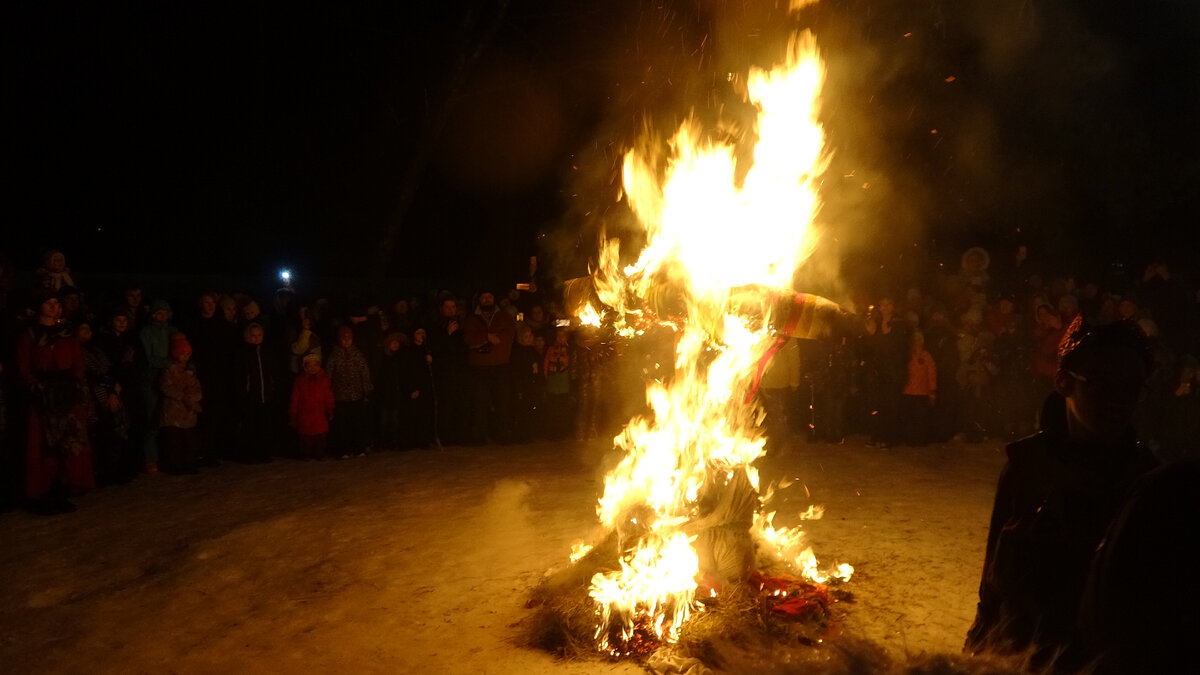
{"type": "Point", "coordinates": [181, 394]}
{"type": "Point", "coordinates": [181, 349]}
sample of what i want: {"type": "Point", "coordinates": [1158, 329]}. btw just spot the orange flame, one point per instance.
{"type": "Point", "coordinates": [706, 237]}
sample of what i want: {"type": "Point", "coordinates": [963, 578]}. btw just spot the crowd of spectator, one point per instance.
{"type": "Point", "coordinates": [98, 390]}
{"type": "Point", "coordinates": [971, 354]}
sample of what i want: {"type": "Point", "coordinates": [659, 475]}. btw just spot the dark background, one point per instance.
{"type": "Point", "coordinates": [235, 138]}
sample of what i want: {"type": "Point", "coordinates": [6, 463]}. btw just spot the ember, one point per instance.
{"type": "Point", "coordinates": [639, 641]}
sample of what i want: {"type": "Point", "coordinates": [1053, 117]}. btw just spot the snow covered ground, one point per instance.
{"type": "Point", "coordinates": [421, 561]}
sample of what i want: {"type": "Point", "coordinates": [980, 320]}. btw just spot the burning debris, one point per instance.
{"type": "Point", "coordinates": [683, 507]}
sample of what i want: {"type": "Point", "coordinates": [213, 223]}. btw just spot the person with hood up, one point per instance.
{"type": "Point", "coordinates": [181, 395]}
{"type": "Point", "coordinates": [53, 275]}
{"type": "Point", "coordinates": [311, 408]}
{"type": "Point", "coordinates": [350, 377]}
{"type": "Point", "coordinates": [156, 341]}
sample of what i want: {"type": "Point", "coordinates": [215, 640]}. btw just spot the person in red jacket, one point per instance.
{"type": "Point", "coordinates": [311, 408]}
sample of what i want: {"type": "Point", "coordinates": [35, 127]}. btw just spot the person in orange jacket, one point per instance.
{"type": "Point", "coordinates": [920, 392]}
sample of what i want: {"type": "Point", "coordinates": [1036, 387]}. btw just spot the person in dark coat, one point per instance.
{"type": "Point", "coordinates": [108, 422]}
{"type": "Point", "coordinates": [941, 339]}
{"type": "Point", "coordinates": [526, 374]}
{"type": "Point", "coordinates": [125, 354]}
{"type": "Point", "coordinates": [449, 353]}
{"type": "Point", "coordinates": [1141, 628]}
{"type": "Point", "coordinates": [388, 378]}
{"type": "Point", "coordinates": [257, 397]}
{"type": "Point", "coordinates": [489, 334]}
{"type": "Point", "coordinates": [223, 340]}
{"type": "Point", "coordinates": [885, 355]}
{"type": "Point", "coordinates": [556, 369]}
{"type": "Point", "coordinates": [207, 335]}
{"type": "Point", "coordinates": [418, 409]}
{"type": "Point", "coordinates": [134, 304]}
{"type": "Point", "coordinates": [1058, 494]}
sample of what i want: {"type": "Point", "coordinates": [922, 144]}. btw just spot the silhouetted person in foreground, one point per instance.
{"type": "Point", "coordinates": [1059, 493]}
{"type": "Point", "coordinates": [1141, 607]}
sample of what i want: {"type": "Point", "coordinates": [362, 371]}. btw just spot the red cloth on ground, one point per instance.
{"type": "Point", "coordinates": [792, 597]}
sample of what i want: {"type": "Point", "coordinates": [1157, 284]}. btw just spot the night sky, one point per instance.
{"type": "Point", "coordinates": [236, 138]}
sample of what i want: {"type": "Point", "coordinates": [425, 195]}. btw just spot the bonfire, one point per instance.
{"type": "Point", "coordinates": [688, 531]}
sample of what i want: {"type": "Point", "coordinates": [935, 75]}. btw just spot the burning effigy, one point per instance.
{"type": "Point", "coordinates": [688, 533]}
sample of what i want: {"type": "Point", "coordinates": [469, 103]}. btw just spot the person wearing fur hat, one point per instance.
{"type": "Point", "coordinates": [181, 395]}
{"type": "Point", "coordinates": [58, 459]}
{"type": "Point", "coordinates": [311, 407]}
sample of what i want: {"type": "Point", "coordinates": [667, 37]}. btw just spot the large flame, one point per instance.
{"type": "Point", "coordinates": [708, 237]}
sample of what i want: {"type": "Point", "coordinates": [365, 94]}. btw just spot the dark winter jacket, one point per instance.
{"type": "Point", "coordinates": [1053, 504]}
{"type": "Point", "coordinates": [349, 373]}
{"type": "Point", "coordinates": [449, 353]}
{"type": "Point", "coordinates": [418, 373]}
{"type": "Point", "coordinates": [256, 374]}
{"type": "Point", "coordinates": [388, 378]}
